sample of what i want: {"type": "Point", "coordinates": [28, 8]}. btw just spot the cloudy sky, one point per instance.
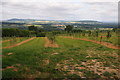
{"type": "Point", "coordinates": [60, 10]}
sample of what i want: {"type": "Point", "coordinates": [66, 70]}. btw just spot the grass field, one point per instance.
{"type": "Point", "coordinates": [73, 59]}
{"type": "Point", "coordinates": [114, 39]}
{"type": "Point", "coordinates": [12, 40]}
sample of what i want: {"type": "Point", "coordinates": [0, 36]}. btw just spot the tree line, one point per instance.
{"type": "Point", "coordinates": [35, 31]}
{"type": "Point", "coordinates": [12, 32]}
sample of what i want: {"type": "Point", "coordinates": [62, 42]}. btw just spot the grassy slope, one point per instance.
{"type": "Point", "coordinates": [39, 62]}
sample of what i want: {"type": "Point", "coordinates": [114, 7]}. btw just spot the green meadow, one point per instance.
{"type": "Point", "coordinates": [73, 59]}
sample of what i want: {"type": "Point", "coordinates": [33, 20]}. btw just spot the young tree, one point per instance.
{"type": "Point", "coordinates": [83, 33]}
{"type": "Point", "coordinates": [114, 29]}
{"type": "Point", "coordinates": [108, 35]}
{"type": "Point", "coordinates": [97, 34]}
{"type": "Point", "coordinates": [51, 36]}
{"type": "Point", "coordinates": [101, 38]}
{"type": "Point", "coordinates": [89, 33]}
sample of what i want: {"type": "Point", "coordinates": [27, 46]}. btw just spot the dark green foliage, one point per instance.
{"type": "Point", "coordinates": [101, 38]}
{"type": "Point", "coordinates": [116, 29]}
{"type": "Point", "coordinates": [76, 31]}
{"type": "Point", "coordinates": [41, 34]}
{"type": "Point", "coordinates": [38, 31]}
{"type": "Point", "coordinates": [10, 32]}
{"type": "Point", "coordinates": [69, 28]}
{"type": "Point", "coordinates": [108, 34]}
{"type": "Point", "coordinates": [32, 28]}
{"type": "Point", "coordinates": [96, 33]}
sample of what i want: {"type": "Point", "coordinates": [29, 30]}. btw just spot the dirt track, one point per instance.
{"type": "Point", "coordinates": [19, 43]}
{"type": "Point", "coordinates": [98, 42]}
{"type": "Point", "coordinates": [49, 43]}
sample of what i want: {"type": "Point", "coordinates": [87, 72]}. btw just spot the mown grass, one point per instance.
{"type": "Point", "coordinates": [36, 61]}
{"type": "Point", "coordinates": [114, 39]}
{"type": "Point", "coordinates": [13, 40]}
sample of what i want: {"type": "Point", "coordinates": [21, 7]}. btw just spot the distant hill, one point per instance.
{"type": "Point", "coordinates": [12, 25]}
{"type": "Point", "coordinates": [16, 19]}
{"type": "Point", "coordinates": [87, 21]}
{"type": "Point", "coordinates": [47, 24]}
{"type": "Point", "coordinates": [9, 23]}
{"type": "Point", "coordinates": [20, 20]}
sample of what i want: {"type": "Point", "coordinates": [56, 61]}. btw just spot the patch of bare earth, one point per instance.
{"type": "Point", "coordinates": [89, 65]}
{"type": "Point", "coordinates": [99, 68]}
{"type": "Point", "coordinates": [19, 43]}
{"type": "Point", "coordinates": [54, 53]}
{"type": "Point", "coordinates": [49, 43]}
{"type": "Point", "coordinates": [71, 68]}
{"type": "Point", "coordinates": [46, 61]}
{"type": "Point", "coordinates": [9, 53]}
{"type": "Point", "coordinates": [3, 56]}
{"type": "Point", "coordinates": [13, 67]}
{"type": "Point", "coordinates": [109, 45]}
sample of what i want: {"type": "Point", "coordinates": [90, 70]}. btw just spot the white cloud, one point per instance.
{"type": "Point", "coordinates": [61, 0]}
{"type": "Point", "coordinates": [59, 9]}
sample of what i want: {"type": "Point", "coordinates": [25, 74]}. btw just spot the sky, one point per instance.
{"type": "Point", "coordinates": [100, 10]}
